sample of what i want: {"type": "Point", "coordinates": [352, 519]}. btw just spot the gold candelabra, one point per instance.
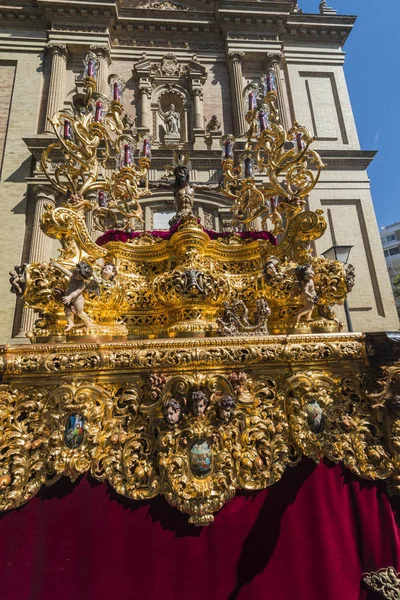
{"type": "Point", "coordinates": [284, 156]}
{"type": "Point", "coordinates": [188, 284]}
{"type": "Point", "coordinates": [90, 140]}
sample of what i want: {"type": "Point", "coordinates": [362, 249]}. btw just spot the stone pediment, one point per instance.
{"type": "Point", "coordinates": [169, 67]}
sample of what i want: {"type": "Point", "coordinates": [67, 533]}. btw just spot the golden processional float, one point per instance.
{"type": "Point", "coordinates": [188, 363]}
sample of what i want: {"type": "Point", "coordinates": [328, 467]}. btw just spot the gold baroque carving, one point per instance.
{"type": "Point", "coordinates": [127, 414]}
{"type": "Point", "coordinates": [164, 354]}
{"type": "Point", "coordinates": [385, 582]}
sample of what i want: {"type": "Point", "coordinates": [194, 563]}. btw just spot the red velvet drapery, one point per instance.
{"type": "Point", "coordinates": [309, 537]}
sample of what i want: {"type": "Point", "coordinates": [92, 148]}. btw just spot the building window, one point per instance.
{"type": "Point", "coordinates": [394, 251]}
{"type": "Point", "coordinates": [390, 238]}
{"type": "Point", "coordinates": [386, 252]}
{"type": "Point", "coordinates": [161, 220]}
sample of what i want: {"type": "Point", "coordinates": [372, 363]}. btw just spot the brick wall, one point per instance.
{"type": "Point", "coordinates": [7, 74]}
{"type": "Point", "coordinates": [217, 95]}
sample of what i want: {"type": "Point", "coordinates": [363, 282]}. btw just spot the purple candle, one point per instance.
{"type": "Point", "coordinates": [117, 96]}
{"type": "Point", "coordinates": [252, 101]}
{"type": "Point", "coordinates": [146, 148]}
{"type": "Point", "coordinates": [270, 85]}
{"type": "Point", "coordinates": [127, 155]}
{"type": "Point", "coordinates": [67, 130]}
{"type": "Point", "coordinates": [228, 149]}
{"type": "Point", "coordinates": [248, 167]}
{"type": "Point", "coordinates": [101, 199]}
{"type": "Point", "coordinates": [99, 111]}
{"type": "Point", "coordinates": [90, 67]}
{"type": "Point", "coordinates": [299, 142]}
{"type": "Point", "coordinates": [262, 118]}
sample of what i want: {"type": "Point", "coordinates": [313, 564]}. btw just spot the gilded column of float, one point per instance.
{"type": "Point", "coordinates": [41, 246]}
{"type": "Point", "coordinates": [55, 100]}
{"type": "Point", "coordinates": [235, 69]}
{"type": "Point", "coordinates": [104, 59]}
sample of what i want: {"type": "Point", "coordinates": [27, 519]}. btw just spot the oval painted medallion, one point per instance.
{"type": "Point", "coordinates": [74, 432]}
{"type": "Point", "coordinates": [315, 417]}
{"type": "Point", "coordinates": [200, 457]}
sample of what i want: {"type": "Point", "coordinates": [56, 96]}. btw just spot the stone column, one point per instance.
{"type": "Point", "coordinates": [272, 65]}
{"type": "Point", "coordinates": [198, 108]}
{"type": "Point", "coordinates": [40, 248]}
{"type": "Point", "coordinates": [55, 99]}
{"type": "Point", "coordinates": [145, 115]}
{"type": "Point", "coordinates": [103, 56]}
{"type": "Point", "coordinates": [235, 69]}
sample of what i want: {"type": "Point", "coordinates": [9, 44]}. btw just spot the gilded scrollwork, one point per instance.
{"type": "Point", "coordinates": [23, 446]}
{"type": "Point", "coordinates": [72, 452]}
{"type": "Point", "coordinates": [265, 439]}
{"type": "Point", "coordinates": [385, 582]}
{"type": "Point", "coordinates": [331, 417]}
{"type": "Point", "coordinates": [180, 419]}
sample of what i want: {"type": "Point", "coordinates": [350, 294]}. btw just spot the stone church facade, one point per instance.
{"type": "Point", "coordinates": [201, 57]}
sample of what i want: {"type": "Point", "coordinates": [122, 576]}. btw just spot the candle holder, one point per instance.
{"type": "Point", "coordinates": [284, 156]}
{"type": "Point", "coordinates": [91, 138]}
{"type": "Point", "coordinates": [117, 86]}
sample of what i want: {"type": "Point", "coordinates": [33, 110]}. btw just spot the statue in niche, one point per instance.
{"type": "Point", "coordinates": [172, 121]}
{"type": "Point", "coordinates": [213, 124]}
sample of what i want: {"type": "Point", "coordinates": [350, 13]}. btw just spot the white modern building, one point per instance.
{"type": "Point", "coordinates": [390, 236]}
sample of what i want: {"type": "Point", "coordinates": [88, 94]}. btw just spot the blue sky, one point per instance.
{"type": "Point", "coordinates": [373, 77]}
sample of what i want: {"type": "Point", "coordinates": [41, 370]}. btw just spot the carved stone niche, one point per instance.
{"type": "Point", "coordinates": [171, 115]}
{"type": "Point", "coordinates": [168, 82]}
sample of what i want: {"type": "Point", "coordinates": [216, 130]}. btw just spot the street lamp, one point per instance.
{"type": "Point", "coordinates": [341, 253]}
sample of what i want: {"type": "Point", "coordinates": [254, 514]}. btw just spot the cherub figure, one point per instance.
{"type": "Point", "coordinates": [108, 272]}
{"type": "Point", "coordinates": [198, 403]}
{"type": "Point", "coordinates": [73, 299]}
{"type": "Point", "coordinates": [308, 297]}
{"type": "Point", "coordinates": [272, 270]}
{"type": "Point", "coordinates": [226, 407]}
{"type": "Point", "coordinates": [172, 411]}
{"type": "Point", "coordinates": [17, 279]}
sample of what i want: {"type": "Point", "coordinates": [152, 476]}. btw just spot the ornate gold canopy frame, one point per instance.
{"type": "Point", "coordinates": [195, 365]}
